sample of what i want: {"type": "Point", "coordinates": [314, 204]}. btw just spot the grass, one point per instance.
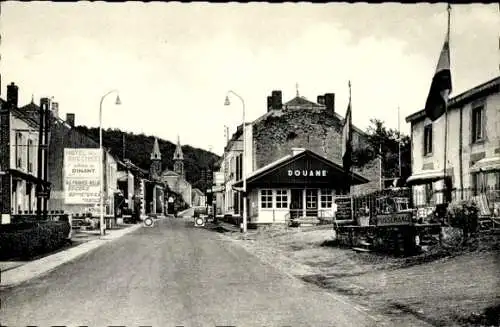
{"type": "Point", "coordinates": [451, 284]}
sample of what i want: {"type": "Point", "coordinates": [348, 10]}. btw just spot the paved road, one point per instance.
{"type": "Point", "coordinates": [172, 275]}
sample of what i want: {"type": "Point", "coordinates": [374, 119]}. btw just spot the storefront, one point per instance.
{"type": "Point", "coordinates": [300, 185]}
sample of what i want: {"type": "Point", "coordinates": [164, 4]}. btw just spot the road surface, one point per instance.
{"type": "Point", "coordinates": [172, 274]}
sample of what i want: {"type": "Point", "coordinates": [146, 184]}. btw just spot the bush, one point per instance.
{"type": "Point", "coordinates": [26, 240]}
{"type": "Point", "coordinates": [464, 215]}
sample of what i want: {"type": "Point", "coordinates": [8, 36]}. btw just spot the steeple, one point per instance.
{"type": "Point", "coordinates": [155, 168]}
{"type": "Point", "coordinates": [179, 159]}
{"type": "Point", "coordinates": [178, 155]}
{"type": "Point", "coordinates": [156, 154]}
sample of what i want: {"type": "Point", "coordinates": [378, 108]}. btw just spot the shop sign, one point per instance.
{"type": "Point", "coordinates": [307, 173]}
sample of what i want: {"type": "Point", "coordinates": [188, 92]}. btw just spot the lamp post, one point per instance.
{"type": "Point", "coordinates": [101, 170]}
{"type": "Point", "coordinates": [227, 103]}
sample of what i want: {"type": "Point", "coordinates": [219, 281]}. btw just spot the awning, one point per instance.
{"type": "Point", "coordinates": [216, 189]}
{"type": "Point", "coordinates": [486, 164]}
{"type": "Point", "coordinates": [425, 176]}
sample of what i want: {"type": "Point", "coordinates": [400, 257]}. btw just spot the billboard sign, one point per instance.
{"type": "Point", "coordinates": [81, 176]}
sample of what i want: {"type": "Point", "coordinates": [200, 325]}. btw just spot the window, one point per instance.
{"type": "Point", "coordinates": [266, 199]}
{"type": "Point", "coordinates": [477, 124]}
{"type": "Point", "coordinates": [29, 156]}
{"type": "Point", "coordinates": [311, 199]}
{"type": "Point", "coordinates": [427, 139]}
{"type": "Point", "coordinates": [281, 199]}
{"type": "Point", "coordinates": [326, 198]}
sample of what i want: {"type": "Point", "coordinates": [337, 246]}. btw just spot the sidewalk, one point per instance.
{"type": "Point", "coordinates": [14, 273]}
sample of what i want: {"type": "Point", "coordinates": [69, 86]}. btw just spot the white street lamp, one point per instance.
{"type": "Point", "coordinates": [227, 103]}
{"type": "Point", "coordinates": [101, 170]}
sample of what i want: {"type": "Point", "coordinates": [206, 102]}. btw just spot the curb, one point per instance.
{"type": "Point", "coordinates": [30, 270]}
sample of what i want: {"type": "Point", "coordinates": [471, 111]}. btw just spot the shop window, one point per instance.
{"type": "Point", "coordinates": [326, 198]}
{"type": "Point", "coordinates": [281, 199]}
{"type": "Point", "coordinates": [477, 124]}
{"type": "Point", "coordinates": [266, 199]}
{"type": "Point", "coordinates": [428, 139]}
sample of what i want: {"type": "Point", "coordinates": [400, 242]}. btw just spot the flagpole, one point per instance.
{"type": "Point", "coordinates": [399, 143]}
{"type": "Point", "coordinates": [349, 173]}
{"type": "Point", "coordinates": [446, 106]}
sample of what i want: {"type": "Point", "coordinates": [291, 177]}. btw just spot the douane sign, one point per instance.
{"type": "Point", "coordinates": [307, 173]}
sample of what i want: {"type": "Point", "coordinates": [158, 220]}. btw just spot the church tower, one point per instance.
{"type": "Point", "coordinates": [179, 159]}
{"type": "Point", "coordinates": [155, 168]}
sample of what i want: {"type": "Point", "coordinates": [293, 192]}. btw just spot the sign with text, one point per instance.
{"type": "Point", "coordinates": [81, 176]}
{"type": "Point", "coordinates": [344, 208]}
{"type": "Point", "coordinates": [396, 218]}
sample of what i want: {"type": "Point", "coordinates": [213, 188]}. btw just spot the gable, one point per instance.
{"type": "Point", "coordinates": [304, 169]}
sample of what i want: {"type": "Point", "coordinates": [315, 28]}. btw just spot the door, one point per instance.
{"type": "Point", "coordinates": [312, 203]}
{"type": "Point", "coordinates": [296, 203]}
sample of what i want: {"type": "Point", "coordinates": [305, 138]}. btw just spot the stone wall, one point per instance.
{"type": "Point", "coordinates": [318, 131]}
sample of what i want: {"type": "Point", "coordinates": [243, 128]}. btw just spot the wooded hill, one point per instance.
{"type": "Point", "coordinates": [138, 147]}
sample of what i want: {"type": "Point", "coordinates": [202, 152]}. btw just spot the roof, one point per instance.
{"type": "Point", "coordinates": [289, 159]}
{"type": "Point", "coordinates": [478, 91]}
{"type": "Point", "coordinates": [302, 102]}
{"type": "Point", "coordinates": [197, 190]}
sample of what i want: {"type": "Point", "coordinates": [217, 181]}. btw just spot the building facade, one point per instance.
{"type": "Point", "coordinates": [472, 145]}
{"type": "Point", "coordinates": [21, 172]}
{"type": "Point", "coordinates": [298, 123]}
{"type": "Point", "coordinates": [176, 178]}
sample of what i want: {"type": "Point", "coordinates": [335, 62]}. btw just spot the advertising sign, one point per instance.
{"type": "Point", "coordinates": [81, 176]}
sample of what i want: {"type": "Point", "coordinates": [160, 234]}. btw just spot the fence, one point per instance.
{"type": "Point", "coordinates": [424, 200]}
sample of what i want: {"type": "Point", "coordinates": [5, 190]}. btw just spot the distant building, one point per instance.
{"type": "Point", "coordinates": [198, 198]}
{"type": "Point", "coordinates": [174, 179]}
{"type": "Point", "coordinates": [298, 123]}
{"type": "Point", "coordinates": [472, 149]}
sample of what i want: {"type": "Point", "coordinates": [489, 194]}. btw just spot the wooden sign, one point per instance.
{"type": "Point", "coordinates": [397, 218]}
{"type": "Point", "coordinates": [344, 208]}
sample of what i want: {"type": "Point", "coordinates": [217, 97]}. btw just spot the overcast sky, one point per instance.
{"type": "Point", "coordinates": [173, 63]}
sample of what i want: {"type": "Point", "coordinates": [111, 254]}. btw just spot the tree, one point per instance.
{"type": "Point", "coordinates": [384, 141]}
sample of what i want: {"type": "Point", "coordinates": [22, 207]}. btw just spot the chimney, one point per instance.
{"type": "Point", "coordinates": [269, 103]}
{"type": "Point", "coordinates": [330, 102]}
{"type": "Point", "coordinates": [44, 104]}
{"type": "Point", "coordinates": [297, 150]}
{"type": "Point", "coordinates": [276, 100]}
{"type": "Point", "coordinates": [321, 99]}
{"type": "Point", "coordinates": [12, 94]}
{"type": "Point", "coordinates": [55, 109]}
{"type": "Point", "coordinates": [70, 119]}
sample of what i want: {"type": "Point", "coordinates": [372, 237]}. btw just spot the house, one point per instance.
{"type": "Point", "coordinates": [472, 146]}
{"type": "Point", "coordinates": [301, 184]}
{"type": "Point", "coordinates": [198, 198]}
{"type": "Point", "coordinates": [298, 123]}
{"type": "Point", "coordinates": [21, 172]}
{"type": "Point", "coordinates": [68, 145]}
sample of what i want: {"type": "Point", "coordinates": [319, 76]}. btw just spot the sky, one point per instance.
{"type": "Point", "coordinates": [173, 63]}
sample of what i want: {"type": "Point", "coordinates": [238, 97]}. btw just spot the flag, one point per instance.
{"type": "Point", "coordinates": [437, 99]}
{"type": "Point", "coordinates": [347, 141]}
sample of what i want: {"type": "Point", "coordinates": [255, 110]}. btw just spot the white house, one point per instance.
{"type": "Point", "coordinates": [472, 145]}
